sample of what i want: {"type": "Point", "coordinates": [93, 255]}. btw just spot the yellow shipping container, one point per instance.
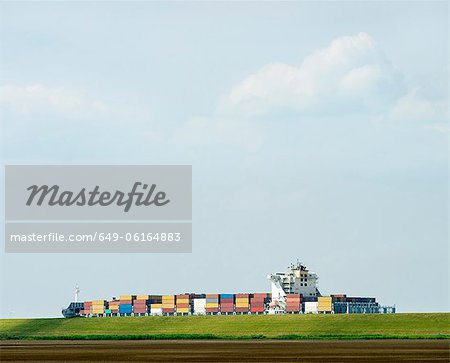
{"type": "Point", "coordinates": [168, 297]}
{"type": "Point", "coordinates": [142, 297]}
{"type": "Point", "coordinates": [212, 305]}
{"type": "Point", "coordinates": [324, 299]}
{"type": "Point", "coordinates": [324, 303]}
{"type": "Point", "coordinates": [125, 297]}
{"type": "Point", "coordinates": [241, 305]}
{"type": "Point", "coordinates": [155, 306]}
{"type": "Point", "coordinates": [182, 310]}
{"type": "Point", "coordinates": [242, 301]}
{"type": "Point", "coordinates": [98, 302]}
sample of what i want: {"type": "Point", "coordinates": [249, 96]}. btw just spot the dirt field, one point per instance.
{"type": "Point", "coordinates": [228, 351]}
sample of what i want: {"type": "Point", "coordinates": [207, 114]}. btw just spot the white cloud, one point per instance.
{"type": "Point", "coordinates": [351, 75]}
{"type": "Point", "coordinates": [416, 107]}
{"type": "Point", "coordinates": [38, 98]}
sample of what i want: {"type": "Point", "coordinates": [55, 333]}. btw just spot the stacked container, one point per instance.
{"type": "Point", "coordinates": [199, 306]}
{"type": "Point", "coordinates": [140, 305]}
{"type": "Point", "coordinates": [226, 303]}
{"type": "Point", "coordinates": [324, 304]}
{"type": "Point", "coordinates": [183, 304]}
{"type": "Point", "coordinates": [126, 305]}
{"type": "Point", "coordinates": [113, 306]}
{"type": "Point", "coordinates": [241, 305]}
{"type": "Point", "coordinates": [168, 304]}
{"type": "Point", "coordinates": [293, 303]}
{"type": "Point", "coordinates": [257, 302]}
{"type": "Point", "coordinates": [212, 303]}
{"type": "Point", "coordinates": [87, 310]}
{"type": "Point", "coordinates": [154, 303]}
{"type": "Point", "coordinates": [98, 307]}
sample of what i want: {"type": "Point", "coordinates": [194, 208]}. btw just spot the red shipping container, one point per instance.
{"type": "Point", "coordinates": [241, 310]}
{"type": "Point", "coordinates": [241, 295]}
{"type": "Point", "coordinates": [123, 302]}
{"type": "Point", "coordinates": [262, 295]}
{"type": "Point", "coordinates": [183, 296]}
{"type": "Point", "coordinates": [212, 310]}
{"type": "Point", "coordinates": [212, 296]}
{"type": "Point", "coordinates": [227, 299]}
{"type": "Point", "coordinates": [182, 305]}
{"type": "Point", "coordinates": [168, 310]}
{"type": "Point", "coordinates": [227, 309]}
{"type": "Point", "coordinates": [140, 311]}
{"type": "Point", "coordinates": [254, 309]}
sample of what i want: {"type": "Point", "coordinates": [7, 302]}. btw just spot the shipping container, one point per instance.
{"type": "Point", "coordinates": [199, 306]}
{"type": "Point", "coordinates": [311, 307]}
{"type": "Point", "coordinates": [156, 311]}
{"type": "Point", "coordinates": [226, 296]}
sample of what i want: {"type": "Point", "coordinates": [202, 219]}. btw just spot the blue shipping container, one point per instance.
{"type": "Point", "coordinates": [226, 296]}
{"type": "Point", "coordinates": [125, 308]}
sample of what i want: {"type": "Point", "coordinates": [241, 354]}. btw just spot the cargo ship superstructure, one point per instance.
{"type": "Point", "coordinates": [294, 291]}
{"type": "Point", "coordinates": [297, 279]}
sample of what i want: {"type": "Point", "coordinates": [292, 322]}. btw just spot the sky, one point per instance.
{"type": "Point", "coordinates": [315, 130]}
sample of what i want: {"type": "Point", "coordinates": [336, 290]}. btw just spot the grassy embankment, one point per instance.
{"type": "Point", "coordinates": [389, 326]}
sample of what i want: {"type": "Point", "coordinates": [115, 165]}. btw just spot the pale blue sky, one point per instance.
{"type": "Point", "coordinates": [316, 130]}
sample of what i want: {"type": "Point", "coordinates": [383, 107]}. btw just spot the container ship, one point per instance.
{"type": "Point", "coordinates": [294, 291]}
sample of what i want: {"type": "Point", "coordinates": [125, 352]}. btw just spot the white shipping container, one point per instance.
{"type": "Point", "coordinates": [156, 311]}
{"type": "Point", "coordinates": [311, 307]}
{"type": "Point", "coordinates": [199, 306]}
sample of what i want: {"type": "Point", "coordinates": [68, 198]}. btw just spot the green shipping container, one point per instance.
{"type": "Point", "coordinates": [107, 311]}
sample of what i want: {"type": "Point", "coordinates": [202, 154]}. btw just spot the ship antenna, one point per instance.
{"type": "Point", "coordinates": [77, 291]}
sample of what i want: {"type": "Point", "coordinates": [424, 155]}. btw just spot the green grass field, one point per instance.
{"type": "Point", "coordinates": [389, 326]}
